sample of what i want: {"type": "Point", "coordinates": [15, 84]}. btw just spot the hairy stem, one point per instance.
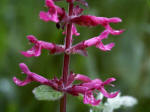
{"type": "Point", "coordinates": [68, 44]}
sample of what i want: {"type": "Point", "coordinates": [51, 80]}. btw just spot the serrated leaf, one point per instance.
{"type": "Point", "coordinates": [44, 92]}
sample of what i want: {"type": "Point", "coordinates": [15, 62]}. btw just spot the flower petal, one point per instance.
{"type": "Point", "coordinates": [76, 90]}
{"type": "Point", "coordinates": [106, 47]}
{"type": "Point", "coordinates": [34, 51]}
{"type": "Point", "coordinates": [32, 39]}
{"type": "Point", "coordinates": [53, 13]}
{"type": "Point", "coordinates": [22, 83]}
{"type": "Point", "coordinates": [89, 99]}
{"type": "Point", "coordinates": [82, 78]}
{"type": "Point", "coordinates": [45, 16]}
{"type": "Point", "coordinates": [74, 31]}
{"type": "Point", "coordinates": [94, 84]}
{"type": "Point", "coordinates": [108, 81]}
{"type": "Point", "coordinates": [115, 20]}
{"type": "Point", "coordinates": [24, 68]}
{"type": "Point", "coordinates": [49, 3]}
{"type": "Point", "coordinates": [112, 31]}
{"type": "Point", "coordinates": [108, 95]}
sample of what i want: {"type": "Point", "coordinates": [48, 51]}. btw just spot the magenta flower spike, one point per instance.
{"type": "Point", "coordinates": [67, 21]}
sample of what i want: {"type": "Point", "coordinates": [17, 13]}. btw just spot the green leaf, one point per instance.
{"type": "Point", "coordinates": [44, 92]}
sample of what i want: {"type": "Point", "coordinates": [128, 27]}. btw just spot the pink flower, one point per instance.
{"type": "Point", "coordinates": [39, 45]}
{"type": "Point", "coordinates": [30, 77]}
{"type": "Point", "coordinates": [112, 31]}
{"type": "Point", "coordinates": [87, 89]}
{"type": "Point", "coordinates": [95, 41]}
{"type": "Point", "coordinates": [88, 20]}
{"type": "Point", "coordinates": [82, 78]}
{"type": "Point", "coordinates": [53, 14]}
{"type": "Point", "coordinates": [34, 77]}
{"type": "Point", "coordinates": [89, 99]}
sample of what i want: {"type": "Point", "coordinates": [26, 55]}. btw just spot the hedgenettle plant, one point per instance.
{"type": "Point", "coordinates": [67, 20]}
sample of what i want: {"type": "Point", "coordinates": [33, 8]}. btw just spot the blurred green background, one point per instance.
{"type": "Point", "coordinates": [129, 60]}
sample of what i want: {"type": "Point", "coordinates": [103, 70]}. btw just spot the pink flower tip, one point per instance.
{"type": "Point", "coordinates": [121, 31]}
{"type": "Point", "coordinates": [15, 80]}
{"type": "Point", "coordinates": [89, 99]}
{"type": "Point", "coordinates": [18, 82]}
{"type": "Point", "coordinates": [115, 20]}
{"type": "Point", "coordinates": [116, 32]}
{"type": "Point", "coordinates": [44, 16]}
{"type": "Point", "coordinates": [30, 53]}
{"type": "Point", "coordinates": [109, 95]}
{"type": "Point", "coordinates": [112, 79]}
{"type": "Point", "coordinates": [94, 103]}
{"type": "Point", "coordinates": [106, 47]}
{"type": "Point", "coordinates": [108, 81]}
{"type": "Point", "coordinates": [49, 3]}
{"type": "Point", "coordinates": [32, 38]}
{"type": "Point", "coordinates": [47, 16]}
{"type": "Point", "coordinates": [27, 54]}
{"type": "Point", "coordinates": [112, 95]}
{"type": "Point", "coordinates": [24, 68]}
{"type": "Point", "coordinates": [82, 78]}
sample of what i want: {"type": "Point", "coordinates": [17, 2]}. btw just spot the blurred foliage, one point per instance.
{"type": "Point", "coordinates": [129, 60]}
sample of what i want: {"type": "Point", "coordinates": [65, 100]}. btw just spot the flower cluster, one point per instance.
{"type": "Point", "coordinates": [62, 18]}
{"type": "Point", "coordinates": [87, 87]}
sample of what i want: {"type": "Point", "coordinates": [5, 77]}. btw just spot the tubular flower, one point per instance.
{"type": "Point", "coordinates": [53, 13]}
{"type": "Point", "coordinates": [87, 87]}
{"type": "Point", "coordinates": [39, 45]}
{"type": "Point", "coordinates": [30, 76]}
{"type": "Point", "coordinates": [88, 20]}
{"type": "Point", "coordinates": [95, 41]}
{"type": "Point", "coordinates": [89, 99]}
